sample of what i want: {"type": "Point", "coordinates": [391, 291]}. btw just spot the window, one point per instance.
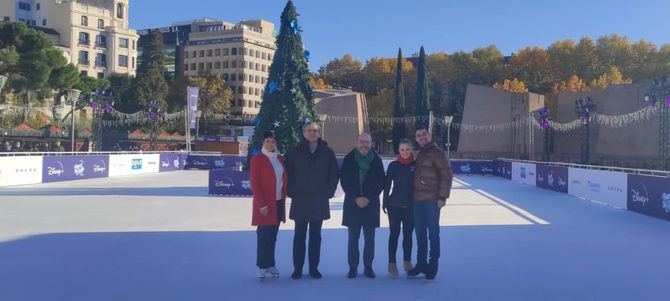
{"type": "Point", "coordinates": [133, 44]}
{"type": "Point", "coordinates": [225, 51]}
{"type": "Point", "coordinates": [258, 66]}
{"type": "Point", "coordinates": [24, 6]}
{"type": "Point", "coordinates": [101, 75]}
{"type": "Point", "coordinates": [225, 76]}
{"type": "Point", "coordinates": [83, 57]}
{"type": "Point", "coordinates": [240, 90]}
{"type": "Point", "coordinates": [262, 80]}
{"type": "Point", "coordinates": [257, 79]}
{"type": "Point", "coordinates": [7, 19]}
{"type": "Point", "coordinates": [264, 56]}
{"type": "Point", "coordinates": [101, 24]}
{"type": "Point", "coordinates": [250, 103]}
{"type": "Point", "coordinates": [209, 52]}
{"type": "Point", "coordinates": [37, 6]}
{"type": "Point", "coordinates": [83, 73]}
{"type": "Point", "coordinates": [233, 77]}
{"type": "Point", "coordinates": [194, 54]}
{"type": "Point", "coordinates": [269, 57]}
{"type": "Point", "coordinates": [217, 65]}
{"type": "Point", "coordinates": [133, 63]}
{"type": "Point", "coordinates": [202, 53]}
{"type": "Point", "coordinates": [123, 43]}
{"type": "Point", "coordinates": [185, 67]}
{"type": "Point", "coordinates": [193, 67]}
{"type": "Point", "coordinates": [258, 54]}
{"type": "Point", "coordinates": [119, 10]}
{"type": "Point", "coordinates": [233, 64]}
{"type": "Point", "coordinates": [244, 51]}
{"type": "Point", "coordinates": [123, 60]}
{"type": "Point", "coordinates": [186, 54]}
{"type": "Point", "coordinates": [256, 91]}
{"type": "Point", "coordinates": [233, 51]}
{"type": "Point", "coordinates": [100, 41]}
{"type": "Point", "coordinates": [84, 21]}
{"type": "Point", "coordinates": [201, 66]}
{"type": "Point", "coordinates": [209, 66]}
{"type": "Point", "coordinates": [100, 60]}
{"type": "Point", "coordinates": [244, 64]}
{"type": "Point", "coordinates": [217, 52]}
{"type": "Point", "coordinates": [225, 65]}
{"type": "Point", "coordinates": [44, 22]}
{"type": "Point", "coordinates": [240, 77]}
{"type": "Point", "coordinates": [263, 68]}
{"type": "Point", "coordinates": [83, 38]}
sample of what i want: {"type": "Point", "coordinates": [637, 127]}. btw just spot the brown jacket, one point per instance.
{"type": "Point", "coordinates": [432, 177]}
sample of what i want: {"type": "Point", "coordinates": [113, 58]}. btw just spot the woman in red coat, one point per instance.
{"type": "Point", "coordinates": [268, 184]}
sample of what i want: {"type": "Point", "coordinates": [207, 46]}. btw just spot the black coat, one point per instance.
{"type": "Point", "coordinates": [402, 178]}
{"type": "Point", "coordinates": [312, 181]}
{"type": "Point", "coordinates": [353, 215]}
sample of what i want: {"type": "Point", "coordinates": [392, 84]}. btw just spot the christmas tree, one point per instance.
{"type": "Point", "coordinates": [399, 131]}
{"type": "Point", "coordinates": [288, 97]}
{"type": "Point", "coordinates": [422, 94]}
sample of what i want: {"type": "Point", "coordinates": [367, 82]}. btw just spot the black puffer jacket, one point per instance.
{"type": "Point", "coordinates": [312, 181]}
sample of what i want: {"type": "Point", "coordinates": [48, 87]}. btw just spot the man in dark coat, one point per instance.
{"type": "Point", "coordinates": [432, 186]}
{"type": "Point", "coordinates": [362, 179]}
{"type": "Point", "coordinates": [312, 180]}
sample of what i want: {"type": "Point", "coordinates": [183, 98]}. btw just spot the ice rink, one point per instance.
{"type": "Point", "coordinates": [161, 237]}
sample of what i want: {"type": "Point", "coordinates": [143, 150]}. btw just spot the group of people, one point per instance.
{"type": "Point", "coordinates": [414, 191]}
{"type": "Point", "coordinates": [15, 146]}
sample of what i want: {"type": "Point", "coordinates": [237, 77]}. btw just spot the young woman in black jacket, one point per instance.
{"type": "Point", "coordinates": [398, 206]}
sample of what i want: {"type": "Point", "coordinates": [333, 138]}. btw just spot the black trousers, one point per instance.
{"type": "Point", "coordinates": [299, 247]}
{"type": "Point", "coordinates": [266, 240]}
{"type": "Point", "coordinates": [353, 252]}
{"type": "Point", "coordinates": [400, 216]}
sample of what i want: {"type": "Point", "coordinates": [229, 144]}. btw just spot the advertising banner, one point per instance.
{"type": "Point", "coordinates": [122, 165]}
{"type": "Point", "coordinates": [229, 183]}
{"type": "Point", "coordinates": [215, 162]}
{"type": "Point", "coordinates": [472, 167]}
{"type": "Point", "coordinates": [598, 185]}
{"type": "Point", "coordinates": [192, 105]}
{"type": "Point", "coordinates": [172, 162]}
{"type": "Point", "coordinates": [523, 173]}
{"type": "Point", "coordinates": [69, 168]}
{"type": "Point", "coordinates": [503, 169]}
{"type": "Point", "coordinates": [649, 195]}
{"type": "Point", "coordinates": [20, 170]}
{"type": "Point", "coordinates": [552, 177]}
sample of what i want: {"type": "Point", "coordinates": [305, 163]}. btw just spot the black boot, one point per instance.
{"type": "Point", "coordinates": [431, 271]}
{"type": "Point", "coordinates": [420, 268]}
{"type": "Point", "coordinates": [314, 273]}
{"type": "Point", "coordinates": [352, 274]}
{"type": "Point", "coordinates": [370, 273]}
{"type": "Point", "coordinates": [297, 274]}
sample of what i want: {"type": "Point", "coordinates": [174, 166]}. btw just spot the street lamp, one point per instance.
{"type": "Point", "coordinates": [583, 109]}
{"type": "Point", "coordinates": [155, 112]}
{"type": "Point", "coordinates": [545, 124]}
{"type": "Point", "coordinates": [72, 96]}
{"type": "Point", "coordinates": [659, 95]}
{"type": "Point", "coordinates": [448, 120]}
{"type": "Point", "coordinates": [101, 103]}
{"type": "Point", "coordinates": [198, 114]}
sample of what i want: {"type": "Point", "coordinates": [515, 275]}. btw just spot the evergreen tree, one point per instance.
{"type": "Point", "coordinates": [399, 105]}
{"type": "Point", "coordinates": [151, 83]}
{"type": "Point", "coordinates": [422, 92]}
{"type": "Point", "coordinates": [288, 97]}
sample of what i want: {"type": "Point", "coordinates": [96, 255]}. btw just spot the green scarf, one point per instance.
{"type": "Point", "coordinates": [364, 163]}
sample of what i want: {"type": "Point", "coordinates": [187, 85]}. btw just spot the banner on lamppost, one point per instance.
{"type": "Point", "coordinates": [192, 105]}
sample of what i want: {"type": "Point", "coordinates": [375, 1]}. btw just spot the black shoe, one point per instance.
{"type": "Point", "coordinates": [352, 274]}
{"type": "Point", "coordinates": [420, 268]}
{"type": "Point", "coordinates": [297, 274]}
{"type": "Point", "coordinates": [314, 273]}
{"type": "Point", "coordinates": [370, 273]}
{"type": "Point", "coordinates": [431, 272]}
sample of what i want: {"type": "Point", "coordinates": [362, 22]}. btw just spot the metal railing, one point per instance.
{"type": "Point", "coordinates": [99, 153]}
{"type": "Point", "coordinates": [637, 171]}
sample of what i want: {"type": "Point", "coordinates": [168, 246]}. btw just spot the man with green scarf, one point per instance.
{"type": "Point", "coordinates": [362, 179]}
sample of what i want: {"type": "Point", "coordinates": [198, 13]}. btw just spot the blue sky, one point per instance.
{"type": "Point", "coordinates": [373, 28]}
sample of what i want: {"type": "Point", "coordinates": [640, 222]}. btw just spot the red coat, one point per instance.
{"type": "Point", "coordinates": [264, 188]}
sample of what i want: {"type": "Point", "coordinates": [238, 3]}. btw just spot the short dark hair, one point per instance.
{"type": "Point", "coordinates": [269, 134]}
{"type": "Point", "coordinates": [421, 127]}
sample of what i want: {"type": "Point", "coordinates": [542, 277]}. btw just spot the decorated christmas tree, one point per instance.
{"type": "Point", "coordinates": [288, 97]}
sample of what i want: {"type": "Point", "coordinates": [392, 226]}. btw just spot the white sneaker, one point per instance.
{"type": "Point", "coordinates": [274, 272]}
{"type": "Point", "coordinates": [261, 273]}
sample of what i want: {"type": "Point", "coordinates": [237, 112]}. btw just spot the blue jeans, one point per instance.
{"type": "Point", "coordinates": [427, 226]}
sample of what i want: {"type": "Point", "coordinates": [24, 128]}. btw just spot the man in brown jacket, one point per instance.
{"type": "Point", "coordinates": [432, 185]}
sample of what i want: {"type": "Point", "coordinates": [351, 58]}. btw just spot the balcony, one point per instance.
{"type": "Point", "coordinates": [84, 42]}
{"type": "Point", "coordinates": [101, 44]}
{"type": "Point", "coordinates": [84, 62]}
{"type": "Point", "coordinates": [101, 64]}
